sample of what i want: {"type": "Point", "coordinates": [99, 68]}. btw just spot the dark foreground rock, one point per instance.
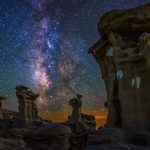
{"type": "Point", "coordinates": [110, 139]}
{"type": "Point", "coordinates": [11, 144]}
{"type": "Point", "coordinates": [117, 146]}
{"type": "Point", "coordinates": [52, 137]}
{"type": "Point", "coordinates": [106, 135]}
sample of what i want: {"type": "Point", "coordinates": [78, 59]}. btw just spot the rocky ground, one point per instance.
{"type": "Point", "coordinates": [61, 137]}
{"type": "Point", "coordinates": [11, 144]}
{"type": "Point", "coordinates": [109, 139]}
{"type": "Point", "coordinates": [117, 146]}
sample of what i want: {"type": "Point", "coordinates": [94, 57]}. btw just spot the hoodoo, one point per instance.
{"type": "Point", "coordinates": [123, 53]}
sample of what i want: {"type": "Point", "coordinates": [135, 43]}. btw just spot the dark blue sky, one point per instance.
{"type": "Point", "coordinates": [44, 45]}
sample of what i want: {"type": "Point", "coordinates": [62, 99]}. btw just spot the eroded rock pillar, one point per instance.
{"type": "Point", "coordinates": [76, 104]}
{"type": "Point", "coordinates": [27, 106]}
{"type": "Point", "coordinates": [127, 34]}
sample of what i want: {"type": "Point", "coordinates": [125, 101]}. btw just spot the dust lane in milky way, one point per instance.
{"type": "Point", "coordinates": [39, 73]}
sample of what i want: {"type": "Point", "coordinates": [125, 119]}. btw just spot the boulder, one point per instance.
{"type": "Point", "coordinates": [11, 144]}
{"type": "Point", "coordinates": [52, 137]}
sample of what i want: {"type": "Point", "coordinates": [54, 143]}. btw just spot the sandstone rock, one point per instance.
{"type": "Point", "coordinates": [27, 106]}
{"type": "Point", "coordinates": [76, 104]}
{"type": "Point", "coordinates": [128, 22]}
{"type": "Point", "coordinates": [52, 137]}
{"type": "Point", "coordinates": [123, 54]}
{"type": "Point", "coordinates": [78, 118]}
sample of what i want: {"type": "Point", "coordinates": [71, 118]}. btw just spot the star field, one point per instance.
{"type": "Point", "coordinates": [44, 45]}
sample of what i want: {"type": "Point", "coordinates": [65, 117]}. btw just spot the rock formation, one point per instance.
{"type": "Point", "coordinates": [123, 53]}
{"type": "Point", "coordinates": [76, 104]}
{"type": "Point", "coordinates": [110, 139]}
{"type": "Point", "coordinates": [1, 106]}
{"type": "Point", "coordinates": [10, 144]}
{"type": "Point", "coordinates": [27, 107]}
{"type": "Point", "coordinates": [52, 137]}
{"type": "Point", "coordinates": [89, 122]}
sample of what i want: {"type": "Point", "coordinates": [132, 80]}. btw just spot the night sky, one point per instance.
{"type": "Point", "coordinates": [44, 45]}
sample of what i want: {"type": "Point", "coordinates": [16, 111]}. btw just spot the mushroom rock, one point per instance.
{"type": "Point", "coordinates": [128, 22]}
{"type": "Point", "coordinates": [123, 53]}
{"type": "Point", "coordinates": [76, 104]}
{"type": "Point", "coordinates": [27, 106]}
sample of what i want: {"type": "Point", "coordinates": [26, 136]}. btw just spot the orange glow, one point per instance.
{"type": "Point", "coordinates": [62, 117]}
{"type": "Point", "coordinates": [100, 120]}
{"type": "Point", "coordinates": [100, 117]}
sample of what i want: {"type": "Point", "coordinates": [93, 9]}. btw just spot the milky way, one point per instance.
{"type": "Point", "coordinates": [44, 45]}
{"type": "Point", "coordinates": [39, 73]}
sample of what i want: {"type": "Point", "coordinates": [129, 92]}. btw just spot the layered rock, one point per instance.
{"type": "Point", "coordinates": [27, 106]}
{"type": "Point", "coordinates": [77, 118]}
{"type": "Point", "coordinates": [123, 54]}
{"type": "Point", "coordinates": [52, 137]}
{"type": "Point", "coordinates": [76, 104]}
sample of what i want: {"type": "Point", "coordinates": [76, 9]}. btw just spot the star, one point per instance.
{"type": "Point", "coordinates": [44, 45]}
